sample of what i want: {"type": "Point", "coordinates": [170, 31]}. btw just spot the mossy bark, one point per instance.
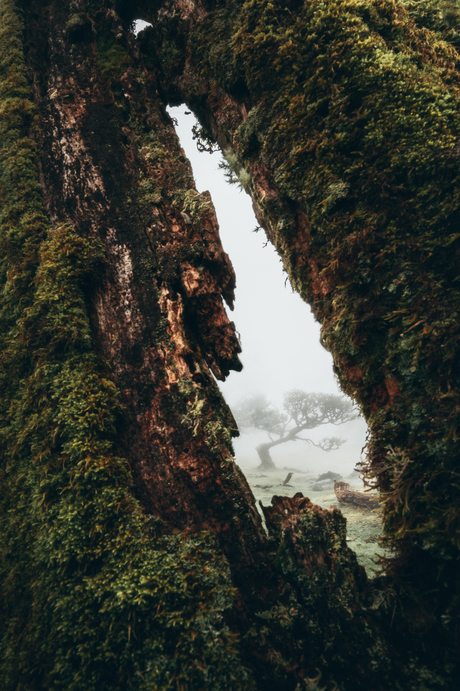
{"type": "Point", "coordinates": [112, 167]}
{"type": "Point", "coordinates": [132, 554]}
{"type": "Point", "coordinates": [116, 444]}
{"type": "Point", "coordinates": [344, 117]}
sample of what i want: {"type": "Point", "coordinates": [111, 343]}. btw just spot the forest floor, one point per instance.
{"type": "Point", "coordinates": [363, 526]}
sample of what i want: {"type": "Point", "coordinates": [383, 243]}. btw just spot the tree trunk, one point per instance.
{"type": "Point", "coordinates": [263, 450]}
{"type": "Point", "coordinates": [266, 461]}
{"type": "Point", "coordinates": [156, 308]}
{"type": "Point", "coordinates": [132, 554]}
{"type": "Point", "coordinates": [300, 125]}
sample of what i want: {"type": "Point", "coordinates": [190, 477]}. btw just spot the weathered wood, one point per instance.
{"type": "Point", "coordinates": [132, 552]}
{"type": "Point", "coordinates": [344, 248]}
{"type": "Point", "coordinates": [351, 497]}
{"type": "Point", "coordinates": [287, 479]}
{"type": "Point", "coordinates": [341, 225]}
{"type": "Point", "coordinates": [112, 167]}
{"type": "Point", "coordinates": [315, 116]}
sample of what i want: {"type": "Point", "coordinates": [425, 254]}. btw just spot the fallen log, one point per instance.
{"type": "Point", "coordinates": [351, 497]}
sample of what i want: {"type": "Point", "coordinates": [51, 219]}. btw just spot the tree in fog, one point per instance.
{"type": "Point", "coordinates": [301, 411]}
{"type": "Point", "coordinates": [131, 549]}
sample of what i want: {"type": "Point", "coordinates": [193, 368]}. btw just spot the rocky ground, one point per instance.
{"type": "Point", "coordinates": [363, 526]}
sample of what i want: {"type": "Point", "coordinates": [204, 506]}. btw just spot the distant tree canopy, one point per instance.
{"type": "Point", "coordinates": [302, 411]}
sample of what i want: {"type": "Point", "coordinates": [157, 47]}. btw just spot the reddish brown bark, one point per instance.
{"type": "Point", "coordinates": [112, 167]}
{"type": "Point", "coordinates": [368, 268]}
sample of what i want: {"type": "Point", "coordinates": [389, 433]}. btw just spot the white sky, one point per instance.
{"type": "Point", "coordinates": [280, 338]}
{"type": "Point", "coordinates": [279, 335]}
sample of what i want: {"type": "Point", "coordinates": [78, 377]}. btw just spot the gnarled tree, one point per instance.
{"type": "Point", "coordinates": [303, 411]}
{"type": "Point", "coordinates": [132, 555]}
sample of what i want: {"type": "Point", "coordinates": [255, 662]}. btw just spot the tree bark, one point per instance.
{"type": "Point", "coordinates": [132, 551]}
{"type": "Point", "coordinates": [263, 450]}
{"type": "Point", "coordinates": [332, 216]}
{"type": "Point", "coordinates": [112, 167]}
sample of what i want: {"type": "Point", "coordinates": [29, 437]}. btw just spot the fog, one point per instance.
{"type": "Point", "coordinates": [281, 351]}
{"type": "Point", "coordinates": [279, 335]}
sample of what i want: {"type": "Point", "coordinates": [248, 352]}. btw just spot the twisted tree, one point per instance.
{"type": "Point", "coordinates": [303, 411]}
{"type": "Point", "coordinates": [131, 552]}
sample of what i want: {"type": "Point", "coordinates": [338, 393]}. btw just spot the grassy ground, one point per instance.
{"type": "Point", "coordinates": [363, 527]}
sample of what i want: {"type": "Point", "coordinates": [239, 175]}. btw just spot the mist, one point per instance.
{"type": "Point", "coordinates": [279, 335]}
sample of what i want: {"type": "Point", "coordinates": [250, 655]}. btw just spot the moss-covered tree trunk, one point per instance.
{"type": "Point", "coordinates": [341, 120]}
{"type": "Point", "coordinates": [132, 554]}
{"type": "Point", "coordinates": [111, 167]}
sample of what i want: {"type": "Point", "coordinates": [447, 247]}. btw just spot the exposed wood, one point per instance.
{"type": "Point", "coordinates": [351, 497]}
{"type": "Point", "coordinates": [132, 554]}
{"type": "Point", "coordinates": [112, 167]}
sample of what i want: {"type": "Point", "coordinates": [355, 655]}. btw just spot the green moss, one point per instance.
{"type": "Point", "coordinates": [95, 594]}
{"type": "Point", "coordinates": [353, 129]}
{"type": "Point", "coordinates": [357, 117]}
{"type": "Point", "coordinates": [439, 16]}
{"type": "Point", "coordinates": [193, 204]}
{"type": "Point", "coordinates": [78, 28]}
{"type": "Point", "coordinates": [113, 59]}
{"type": "Point", "coordinates": [206, 417]}
{"type": "Point", "coordinates": [353, 99]}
